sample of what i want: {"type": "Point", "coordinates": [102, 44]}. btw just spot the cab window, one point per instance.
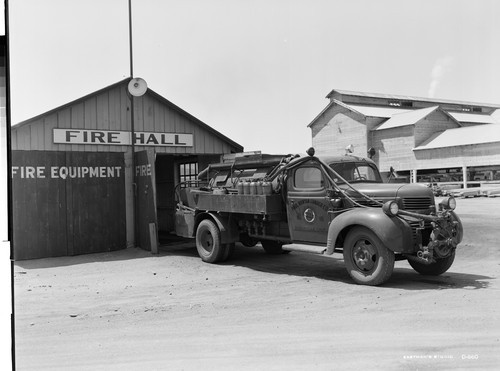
{"type": "Point", "coordinates": [308, 178]}
{"type": "Point", "coordinates": [356, 172]}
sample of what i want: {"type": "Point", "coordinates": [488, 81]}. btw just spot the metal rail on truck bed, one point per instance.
{"type": "Point", "coordinates": [237, 203]}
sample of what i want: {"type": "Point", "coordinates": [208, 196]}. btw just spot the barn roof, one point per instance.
{"type": "Point", "coordinates": [401, 116]}
{"type": "Point", "coordinates": [468, 135]}
{"type": "Point", "coordinates": [407, 98]}
{"type": "Point", "coordinates": [409, 118]}
{"type": "Point", "coordinates": [473, 118]}
{"type": "Point", "coordinates": [376, 111]}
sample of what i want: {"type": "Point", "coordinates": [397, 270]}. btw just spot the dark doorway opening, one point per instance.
{"type": "Point", "coordinates": [170, 171]}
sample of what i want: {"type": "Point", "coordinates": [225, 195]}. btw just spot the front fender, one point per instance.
{"type": "Point", "coordinates": [394, 232]}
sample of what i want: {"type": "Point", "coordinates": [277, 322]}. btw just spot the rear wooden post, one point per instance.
{"type": "Point", "coordinates": [153, 238]}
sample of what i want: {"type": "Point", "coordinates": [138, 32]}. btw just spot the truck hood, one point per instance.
{"type": "Point", "coordinates": [389, 190]}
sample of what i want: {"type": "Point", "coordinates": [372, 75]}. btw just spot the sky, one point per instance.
{"type": "Point", "coordinates": [258, 71]}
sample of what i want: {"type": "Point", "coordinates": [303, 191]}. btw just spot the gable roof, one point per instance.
{"type": "Point", "coordinates": [468, 135]}
{"type": "Point", "coordinates": [410, 118]}
{"type": "Point", "coordinates": [330, 104]}
{"type": "Point", "coordinates": [150, 92]}
{"type": "Point", "coordinates": [473, 118]}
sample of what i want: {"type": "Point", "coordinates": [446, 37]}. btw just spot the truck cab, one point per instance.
{"type": "Point", "coordinates": [322, 205]}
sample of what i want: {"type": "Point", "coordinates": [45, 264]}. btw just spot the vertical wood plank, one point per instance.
{"type": "Point", "coordinates": [77, 121]}
{"type": "Point", "coordinates": [39, 221]}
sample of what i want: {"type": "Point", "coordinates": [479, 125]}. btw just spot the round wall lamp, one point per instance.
{"type": "Point", "coordinates": [137, 87]}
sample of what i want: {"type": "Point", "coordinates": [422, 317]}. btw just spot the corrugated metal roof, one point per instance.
{"type": "Point", "coordinates": [488, 133]}
{"type": "Point", "coordinates": [473, 118]}
{"type": "Point", "coordinates": [374, 111]}
{"type": "Point", "coordinates": [409, 98]}
{"type": "Point", "coordinates": [407, 118]}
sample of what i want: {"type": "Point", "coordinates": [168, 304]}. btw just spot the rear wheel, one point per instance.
{"type": "Point", "coordinates": [273, 247]}
{"type": "Point", "coordinates": [208, 242]}
{"type": "Point", "coordinates": [248, 241]}
{"type": "Point", "coordinates": [366, 258]}
{"type": "Point", "coordinates": [433, 269]}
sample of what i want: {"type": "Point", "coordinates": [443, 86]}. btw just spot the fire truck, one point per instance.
{"type": "Point", "coordinates": [321, 205]}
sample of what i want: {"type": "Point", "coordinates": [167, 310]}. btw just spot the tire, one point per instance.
{"type": "Point", "coordinates": [228, 251]}
{"type": "Point", "coordinates": [248, 241]}
{"type": "Point", "coordinates": [367, 260]}
{"type": "Point", "coordinates": [434, 269]}
{"type": "Point", "coordinates": [208, 242]}
{"type": "Point", "coordinates": [273, 247]}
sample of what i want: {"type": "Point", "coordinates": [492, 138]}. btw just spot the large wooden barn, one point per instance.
{"type": "Point", "coordinates": [421, 138]}
{"type": "Point", "coordinates": [74, 187]}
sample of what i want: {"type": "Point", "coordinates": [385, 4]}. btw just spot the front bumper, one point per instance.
{"type": "Point", "coordinates": [436, 236]}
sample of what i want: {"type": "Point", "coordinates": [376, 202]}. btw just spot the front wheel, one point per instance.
{"type": "Point", "coordinates": [366, 258]}
{"type": "Point", "coordinates": [208, 242]}
{"type": "Point", "coordinates": [434, 269]}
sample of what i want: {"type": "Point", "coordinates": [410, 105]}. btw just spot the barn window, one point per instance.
{"type": "Point", "coordinates": [399, 103]}
{"type": "Point", "coordinates": [188, 172]}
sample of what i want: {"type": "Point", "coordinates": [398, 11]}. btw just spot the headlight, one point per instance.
{"type": "Point", "coordinates": [391, 208]}
{"type": "Point", "coordinates": [448, 203]}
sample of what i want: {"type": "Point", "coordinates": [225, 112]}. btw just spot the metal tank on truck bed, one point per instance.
{"type": "Point", "coordinates": [322, 205]}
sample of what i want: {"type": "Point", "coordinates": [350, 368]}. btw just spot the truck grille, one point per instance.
{"type": "Point", "coordinates": [425, 233]}
{"type": "Point", "coordinates": [417, 203]}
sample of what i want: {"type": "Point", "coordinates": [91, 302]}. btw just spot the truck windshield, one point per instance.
{"type": "Point", "coordinates": [356, 172]}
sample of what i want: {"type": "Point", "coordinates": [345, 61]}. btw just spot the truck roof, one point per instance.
{"type": "Point", "coordinates": [346, 158]}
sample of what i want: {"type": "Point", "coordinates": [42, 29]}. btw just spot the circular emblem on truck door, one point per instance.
{"type": "Point", "coordinates": [309, 215]}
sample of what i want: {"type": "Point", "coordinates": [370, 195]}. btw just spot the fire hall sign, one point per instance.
{"type": "Point", "coordinates": [121, 138]}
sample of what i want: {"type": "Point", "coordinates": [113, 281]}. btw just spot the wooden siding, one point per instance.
{"type": "Point", "coordinates": [146, 201]}
{"type": "Point", "coordinates": [38, 209]}
{"type": "Point", "coordinates": [152, 115]}
{"type": "Point", "coordinates": [471, 155]}
{"type": "Point", "coordinates": [433, 123]}
{"type": "Point", "coordinates": [56, 214]}
{"type": "Point", "coordinates": [337, 128]}
{"type": "Point", "coordinates": [393, 147]}
{"type": "Point", "coordinates": [109, 109]}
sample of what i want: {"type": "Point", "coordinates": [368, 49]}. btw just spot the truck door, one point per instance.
{"type": "Point", "coordinates": [146, 219]}
{"type": "Point", "coordinates": [308, 204]}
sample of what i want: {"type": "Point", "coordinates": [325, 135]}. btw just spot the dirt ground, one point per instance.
{"type": "Point", "coordinates": [130, 310]}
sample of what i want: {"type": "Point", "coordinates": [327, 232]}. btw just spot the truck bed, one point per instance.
{"type": "Point", "coordinates": [237, 203]}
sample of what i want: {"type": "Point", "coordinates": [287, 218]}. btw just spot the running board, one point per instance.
{"type": "Point", "coordinates": [311, 249]}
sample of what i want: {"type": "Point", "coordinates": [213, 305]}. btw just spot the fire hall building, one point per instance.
{"type": "Point", "coordinates": [89, 177]}
{"type": "Point", "coordinates": [421, 139]}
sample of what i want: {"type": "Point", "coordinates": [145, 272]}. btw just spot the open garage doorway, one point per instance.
{"type": "Point", "coordinates": [170, 171]}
